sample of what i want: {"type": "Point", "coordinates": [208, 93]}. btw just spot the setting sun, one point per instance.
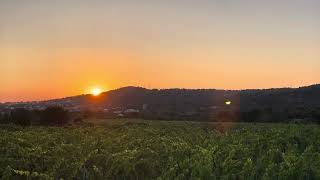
{"type": "Point", "coordinates": [96, 91]}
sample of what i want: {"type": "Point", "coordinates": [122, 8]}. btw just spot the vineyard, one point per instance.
{"type": "Point", "coordinates": [161, 150]}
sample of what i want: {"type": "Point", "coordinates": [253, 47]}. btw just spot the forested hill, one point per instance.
{"type": "Point", "coordinates": [188, 99]}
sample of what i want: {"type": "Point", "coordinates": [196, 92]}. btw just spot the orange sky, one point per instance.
{"type": "Point", "coordinates": [50, 50]}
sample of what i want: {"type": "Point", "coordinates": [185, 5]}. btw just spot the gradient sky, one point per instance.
{"type": "Point", "coordinates": [58, 48]}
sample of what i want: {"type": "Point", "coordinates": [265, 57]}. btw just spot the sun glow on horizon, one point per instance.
{"type": "Point", "coordinates": [96, 91]}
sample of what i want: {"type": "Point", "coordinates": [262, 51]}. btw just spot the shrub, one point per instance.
{"type": "Point", "coordinates": [316, 115]}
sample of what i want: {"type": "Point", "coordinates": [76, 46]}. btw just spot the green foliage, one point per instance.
{"type": "Point", "coordinates": [161, 150]}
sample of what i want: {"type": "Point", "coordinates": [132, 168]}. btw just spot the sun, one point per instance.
{"type": "Point", "coordinates": [96, 91]}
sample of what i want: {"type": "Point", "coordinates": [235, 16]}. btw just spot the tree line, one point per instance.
{"type": "Point", "coordinates": [54, 115]}
{"type": "Point", "coordinates": [58, 116]}
{"type": "Point", "coordinates": [264, 115]}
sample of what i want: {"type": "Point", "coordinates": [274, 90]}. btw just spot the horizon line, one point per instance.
{"type": "Point", "coordinates": [244, 89]}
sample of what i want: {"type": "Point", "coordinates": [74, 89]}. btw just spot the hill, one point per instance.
{"type": "Point", "coordinates": [204, 103]}
{"type": "Point", "coordinates": [245, 99]}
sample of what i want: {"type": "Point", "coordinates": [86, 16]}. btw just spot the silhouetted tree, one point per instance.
{"type": "Point", "coordinates": [21, 117]}
{"type": "Point", "coordinates": [55, 115]}
{"type": "Point", "coordinates": [4, 118]}
{"type": "Point", "coordinates": [251, 116]}
{"type": "Point", "coordinates": [316, 115]}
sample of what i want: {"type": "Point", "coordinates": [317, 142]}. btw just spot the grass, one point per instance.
{"type": "Point", "coordinates": [139, 149]}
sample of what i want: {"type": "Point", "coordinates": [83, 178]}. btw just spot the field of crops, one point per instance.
{"type": "Point", "coordinates": [161, 150]}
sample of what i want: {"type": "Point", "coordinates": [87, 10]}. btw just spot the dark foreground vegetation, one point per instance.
{"type": "Point", "coordinates": [161, 150]}
{"type": "Point", "coordinates": [59, 116]}
{"type": "Point", "coordinates": [51, 116]}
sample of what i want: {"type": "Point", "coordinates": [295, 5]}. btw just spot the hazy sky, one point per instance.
{"type": "Point", "coordinates": [57, 48]}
